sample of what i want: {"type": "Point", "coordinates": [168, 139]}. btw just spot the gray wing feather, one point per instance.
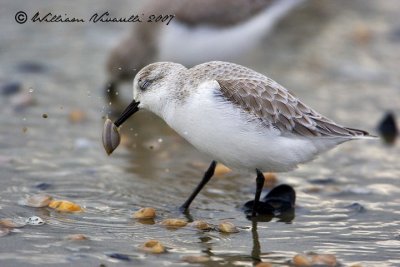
{"type": "Point", "coordinates": [276, 106]}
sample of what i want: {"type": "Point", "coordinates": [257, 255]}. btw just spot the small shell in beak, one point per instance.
{"type": "Point", "coordinates": [111, 137]}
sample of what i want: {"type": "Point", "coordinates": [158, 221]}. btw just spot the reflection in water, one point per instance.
{"type": "Point", "coordinates": [256, 251]}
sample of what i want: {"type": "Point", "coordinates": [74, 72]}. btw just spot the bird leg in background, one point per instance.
{"type": "Point", "coordinates": [206, 178]}
{"type": "Point", "coordinates": [260, 184]}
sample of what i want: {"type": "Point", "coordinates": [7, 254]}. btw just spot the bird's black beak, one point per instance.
{"type": "Point", "coordinates": [129, 111]}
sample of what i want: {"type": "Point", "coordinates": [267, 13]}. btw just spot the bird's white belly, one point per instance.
{"type": "Point", "coordinates": [225, 133]}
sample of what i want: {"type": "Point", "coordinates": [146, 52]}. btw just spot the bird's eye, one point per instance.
{"type": "Point", "coordinates": [143, 84]}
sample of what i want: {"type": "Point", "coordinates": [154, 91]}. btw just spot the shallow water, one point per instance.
{"type": "Point", "coordinates": [340, 57]}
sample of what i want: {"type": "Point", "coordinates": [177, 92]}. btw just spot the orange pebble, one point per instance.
{"type": "Point", "coordinates": [77, 237]}
{"type": "Point", "coordinates": [270, 179]}
{"type": "Point", "coordinates": [264, 264]}
{"type": "Point", "coordinates": [221, 170]}
{"type": "Point", "coordinates": [174, 223]}
{"type": "Point", "coordinates": [76, 116]}
{"type": "Point", "coordinates": [301, 260]}
{"type": "Point", "coordinates": [145, 213]}
{"type": "Point", "coordinates": [324, 259]}
{"type": "Point", "coordinates": [153, 246]}
{"type": "Point", "coordinates": [64, 205]}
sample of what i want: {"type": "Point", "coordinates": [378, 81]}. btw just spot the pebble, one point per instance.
{"type": "Point", "coordinates": [10, 88]}
{"type": "Point", "coordinates": [10, 223]}
{"type": "Point", "coordinates": [221, 170]}
{"type": "Point", "coordinates": [37, 201]}
{"type": "Point", "coordinates": [328, 260]}
{"type": "Point", "coordinates": [201, 225]}
{"type": "Point", "coordinates": [77, 116]}
{"type": "Point", "coordinates": [145, 213]}
{"type": "Point", "coordinates": [43, 186]}
{"type": "Point", "coordinates": [77, 237]}
{"type": "Point", "coordinates": [65, 206]}
{"type": "Point", "coordinates": [227, 227]}
{"type": "Point", "coordinates": [45, 116]}
{"type": "Point", "coordinates": [174, 223]}
{"type": "Point", "coordinates": [119, 256]}
{"type": "Point", "coordinates": [301, 260]}
{"type": "Point", "coordinates": [21, 101]}
{"type": "Point", "coordinates": [270, 179]}
{"type": "Point", "coordinates": [35, 220]}
{"type": "Point", "coordinates": [195, 259]}
{"type": "Point", "coordinates": [388, 129]}
{"type": "Point", "coordinates": [111, 137]}
{"type": "Point", "coordinates": [264, 264]}
{"type": "Point", "coordinates": [153, 246]}
{"type": "Point", "coordinates": [4, 231]}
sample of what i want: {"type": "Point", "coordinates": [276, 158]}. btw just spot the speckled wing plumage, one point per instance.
{"type": "Point", "coordinates": [274, 104]}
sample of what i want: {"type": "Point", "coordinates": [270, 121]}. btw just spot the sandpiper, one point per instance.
{"type": "Point", "coordinates": [237, 116]}
{"type": "Point", "coordinates": [202, 30]}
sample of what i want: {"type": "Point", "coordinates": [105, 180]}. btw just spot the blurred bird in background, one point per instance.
{"type": "Point", "coordinates": [202, 30]}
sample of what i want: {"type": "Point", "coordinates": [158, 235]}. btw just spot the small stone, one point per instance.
{"type": "Point", "coordinates": [43, 186]}
{"type": "Point", "coordinates": [270, 179]}
{"type": "Point", "coordinates": [10, 223]}
{"type": "Point", "coordinates": [4, 231]}
{"type": "Point", "coordinates": [10, 88]}
{"type": "Point", "coordinates": [111, 137]}
{"type": "Point", "coordinates": [301, 260]}
{"type": "Point", "coordinates": [37, 201]}
{"type": "Point", "coordinates": [31, 67]}
{"type": "Point", "coordinates": [77, 237]}
{"type": "Point", "coordinates": [21, 101]}
{"type": "Point", "coordinates": [119, 256]}
{"type": "Point", "coordinates": [264, 264]}
{"type": "Point", "coordinates": [227, 227]}
{"type": "Point", "coordinates": [201, 225]}
{"type": "Point", "coordinates": [362, 34]}
{"type": "Point", "coordinates": [24, 129]}
{"type": "Point", "coordinates": [44, 116]}
{"type": "Point", "coordinates": [145, 213]}
{"type": "Point", "coordinates": [328, 260]}
{"type": "Point", "coordinates": [77, 116]}
{"type": "Point", "coordinates": [174, 223]}
{"type": "Point", "coordinates": [64, 206]}
{"type": "Point", "coordinates": [195, 259]}
{"type": "Point", "coordinates": [388, 129]}
{"type": "Point", "coordinates": [153, 246]}
{"type": "Point", "coordinates": [35, 220]}
{"type": "Point", "coordinates": [221, 170]}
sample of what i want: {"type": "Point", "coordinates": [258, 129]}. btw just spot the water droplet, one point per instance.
{"type": "Point", "coordinates": [110, 103]}
{"type": "Point", "coordinates": [119, 68]}
{"type": "Point", "coordinates": [30, 90]}
{"type": "Point", "coordinates": [108, 90]}
{"type": "Point", "coordinates": [116, 93]}
{"type": "Point", "coordinates": [130, 129]}
{"type": "Point", "coordinates": [24, 119]}
{"type": "Point", "coordinates": [160, 140]}
{"type": "Point", "coordinates": [136, 134]}
{"type": "Point", "coordinates": [185, 132]}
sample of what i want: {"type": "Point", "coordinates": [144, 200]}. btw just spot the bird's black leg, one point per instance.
{"type": "Point", "coordinates": [260, 183]}
{"type": "Point", "coordinates": [207, 176]}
